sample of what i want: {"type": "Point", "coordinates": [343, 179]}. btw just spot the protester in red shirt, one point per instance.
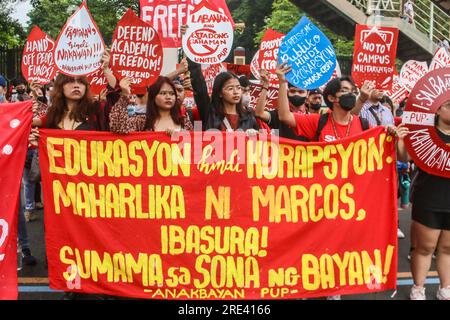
{"type": "Point", "coordinates": [340, 97]}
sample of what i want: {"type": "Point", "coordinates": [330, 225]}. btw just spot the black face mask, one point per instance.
{"type": "Point", "coordinates": [347, 101]}
{"type": "Point", "coordinates": [20, 91]}
{"type": "Point", "coordinates": [297, 101]}
{"type": "Point", "coordinates": [315, 106]}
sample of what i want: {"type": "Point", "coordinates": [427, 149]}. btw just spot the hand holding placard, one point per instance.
{"type": "Point", "coordinates": [310, 54]}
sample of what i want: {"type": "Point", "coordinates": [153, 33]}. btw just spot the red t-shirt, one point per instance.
{"type": "Point", "coordinates": [234, 122]}
{"type": "Point", "coordinates": [307, 126]}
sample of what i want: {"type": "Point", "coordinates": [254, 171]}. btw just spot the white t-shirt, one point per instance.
{"type": "Point", "coordinates": [408, 8]}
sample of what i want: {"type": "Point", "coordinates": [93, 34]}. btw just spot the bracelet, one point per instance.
{"type": "Point", "coordinates": [264, 88]}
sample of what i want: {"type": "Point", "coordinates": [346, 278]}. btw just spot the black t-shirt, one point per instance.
{"type": "Point", "coordinates": [432, 192]}
{"type": "Point", "coordinates": [284, 130]}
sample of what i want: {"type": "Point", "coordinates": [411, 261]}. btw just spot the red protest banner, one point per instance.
{"type": "Point", "coordinates": [374, 55]}
{"type": "Point", "coordinates": [268, 53]}
{"type": "Point", "coordinates": [97, 81]}
{"type": "Point", "coordinates": [136, 52]}
{"type": "Point", "coordinates": [210, 72]}
{"type": "Point", "coordinates": [239, 69]}
{"type": "Point", "coordinates": [37, 58]}
{"type": "Point", "coordinates": [80, 46]}
{"type": "Point", "coordinates": [272, 96]}
{"type": "Point", "coordinates": [142, 216]}
{"type": "Point", "coordinates": [15, 124]}
{"type": "Point", "coordinates": [424, 145]}
{"type": "Point", "coordinates": [398, 92]}
{"type": "Point", "coordinates": [209, 36]}
{"type": "Point", "coordinates": [167, 17]}
{"type": "Point", "coordinates": [441, 59]}
{"type": "Point", "coordinates": [254, 66]}
{"type": "Point", "coordinates": [411, 72]}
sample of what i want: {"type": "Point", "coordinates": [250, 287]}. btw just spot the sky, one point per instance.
{"type": "Point", "coordinates": [20, 12]}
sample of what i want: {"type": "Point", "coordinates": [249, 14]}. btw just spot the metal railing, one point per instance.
{"type": "Point", "coordinates": [428, 17]}
{"type": "Point", "coordinates": [10, 62]}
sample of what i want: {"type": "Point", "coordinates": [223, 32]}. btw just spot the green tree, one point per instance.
{"type": "Point", "coordinates": [51, 15]}
{"type": "Point", "coordinates": [12, 33]}
{"type": "Point", "coordinates": [253, 14]}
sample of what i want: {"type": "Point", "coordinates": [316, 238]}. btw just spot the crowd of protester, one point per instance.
{"type": "Point", "coordinates": [339, 111]}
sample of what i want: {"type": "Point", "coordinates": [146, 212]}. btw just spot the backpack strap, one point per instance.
{"type": "Point", "coordinates": [372, 111]}
{"type": "Point", "coordinates": [322, 122]}
{"type": "Point", "coordinates": [364, 124]}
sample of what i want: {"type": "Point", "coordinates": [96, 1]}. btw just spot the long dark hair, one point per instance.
{"type": "Point", "coordinates": [217, 101]}
{"type": "Point", "coordinates": [153, 110]}
{"type": "Point", "coordinates": [56, 111]}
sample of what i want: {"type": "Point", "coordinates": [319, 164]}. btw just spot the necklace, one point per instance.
{"type": "Point", "coordinates": [349, 125]}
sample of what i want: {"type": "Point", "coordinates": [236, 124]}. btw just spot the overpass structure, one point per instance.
{"type": "Point", "coordinates": [417, 41]}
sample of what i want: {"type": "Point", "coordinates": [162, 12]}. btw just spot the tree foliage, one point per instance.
{"type": "Point", "coordinates": [253, 14]}
{"type": "Point", "coordinates": [51, 15]}
{"type": "Point", "coordinates": [12, 33]}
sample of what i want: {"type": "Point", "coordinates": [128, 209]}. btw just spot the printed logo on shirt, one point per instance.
{"type": "Point", "coordinates": [329, 138]}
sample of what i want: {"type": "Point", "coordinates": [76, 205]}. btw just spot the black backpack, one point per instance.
{"type": "Point", "coordinates": [323, 121]}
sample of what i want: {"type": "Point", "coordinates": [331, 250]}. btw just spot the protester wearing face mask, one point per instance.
{"type": "Point", "coordinates": [3, 90]}
{"type": "Point", "coordinates": [21, 91]}
{"type": "Point", "coordinates": [297, 98]}
{"type": "Point", "coordinates": [314, 101]}
{"type": "Point", "coordinates": [339, 96]}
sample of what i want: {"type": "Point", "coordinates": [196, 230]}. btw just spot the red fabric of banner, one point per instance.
{"type": "Point", "coordinates": [15, 123]}
{"type": "Point", "coordinates": [125, 217]}
{"type": "Point", "coordinates": [167, 16]}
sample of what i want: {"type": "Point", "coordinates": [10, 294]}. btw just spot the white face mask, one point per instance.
{"type": "Point", "coordinates": [134, 109]}
{"type": "Point", "coordinates": [245, 100]}
{"type": "Point", "coordinates": [140, 108]}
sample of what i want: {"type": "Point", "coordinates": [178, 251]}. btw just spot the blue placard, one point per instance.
{"type": "Point", "coordinates": [310, 54]}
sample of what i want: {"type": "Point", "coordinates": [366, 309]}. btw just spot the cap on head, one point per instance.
{"type": "Point", "coordinates": [314, 91]}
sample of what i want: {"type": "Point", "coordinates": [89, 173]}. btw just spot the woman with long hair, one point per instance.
{"type": "Point", "coordinates": [73, 107]}
{"type": "Point", "coordinates": [223, 110]}
{"type": "Point", "coordinates": [162, 111]}
{"type": "Point", "coordinates": [430, 215]}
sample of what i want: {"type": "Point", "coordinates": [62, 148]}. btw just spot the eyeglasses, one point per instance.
{"type": "Point", "coordinates": [230, 88]}
{"type": "Point", "coordinates": [165, 93]}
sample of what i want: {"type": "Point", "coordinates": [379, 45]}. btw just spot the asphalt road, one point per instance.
{"type": "Point", "coordinates": [33, 281]}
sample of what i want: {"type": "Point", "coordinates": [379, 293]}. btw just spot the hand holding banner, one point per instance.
{"type": "Point", "coordinates": [80, 46]}
{"type": "Point", "coordinates": [136, 52]}
{"type": "Point", "coordinates": [209, 37]}
{"type": "Point", "coordinates": [309, 53]}
{"type": "Point", "coordinates": [38, 64]}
